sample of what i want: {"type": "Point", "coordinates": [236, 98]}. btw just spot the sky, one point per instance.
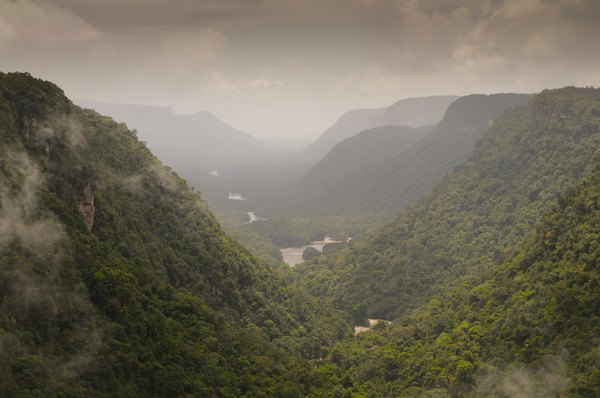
{"type": "Point", "coordinates": [289, 68]}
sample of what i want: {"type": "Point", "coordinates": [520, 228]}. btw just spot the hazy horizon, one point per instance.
{"type": "Point", "coordinates": [288, 69]}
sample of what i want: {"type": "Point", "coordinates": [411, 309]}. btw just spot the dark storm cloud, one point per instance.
{"type": "Point", "coordinates": [290, 66]}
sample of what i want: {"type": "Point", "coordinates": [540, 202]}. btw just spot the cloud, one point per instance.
{"type": "Point", "coordinates": [189, 51]}
{"type": "Point", "coordinates": [259, 86]}
{"type": "Point", "coordinates": [487, 37]}
{"type": "Point", "coordinates": [32, 276]}
{"type": "Point", "coordinates": [18, 219]}
{"type": "Point", "coordinates": [32, 25]}
{"type": "Point", "coordinates": [550, 379]}
{"type": "Point", "coordinates": [240, 58]}
{"type": "Point", "coordinates": [134, 14]}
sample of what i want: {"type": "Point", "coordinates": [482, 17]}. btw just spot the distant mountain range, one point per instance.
{"type": "Point", "coordinates": [394, 171]}
{"type": "Point", "coordinates": [185, 142]}
{"type": "Point", "coordinates": [367, 147]}
{"type": "Point", "coordinates": [411, 112]}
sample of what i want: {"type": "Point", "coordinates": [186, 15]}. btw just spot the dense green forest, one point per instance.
{"type": "Point", "coordinates": [116, 280]}
{"type": "Point", "coordinates": [528, 329]}
{"type": "Point", "coordinates": [475, 218]}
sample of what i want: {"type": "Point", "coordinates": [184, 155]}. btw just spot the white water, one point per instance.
{"type": "Point", "coordinates": [254, 218]}
{"type": "Point", "coordinates": [372, 322]}
{"type": "Point", "coordinates": [293, 255]}
{"type": "Point", "coordinates": [236, 196]}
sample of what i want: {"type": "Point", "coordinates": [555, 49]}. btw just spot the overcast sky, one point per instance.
{"type": "Point", "coordinates": [289, 68]}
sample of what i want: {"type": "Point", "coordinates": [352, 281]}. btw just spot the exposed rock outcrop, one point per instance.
{"type": "Point", "coordinates": [84, 202]}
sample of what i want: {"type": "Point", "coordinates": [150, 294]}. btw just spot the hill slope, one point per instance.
{"type": "Point", "coordinates": [341, 165]}
{"type": "Point", "coordinates": [411, 112]}
{"type": "Point", "coordinates": [530, 329]}
{"type": "Point", "coordinates": [115, 278]}
{"type": "Point", "coordinates": [474, 218]}
{"type": "Point", "coordinates": [389, 184]}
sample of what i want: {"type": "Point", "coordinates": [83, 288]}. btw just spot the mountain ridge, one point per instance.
{"type": "Point", "coordinates": [528, 328]}
{"type": "Point", "coordinates": [410, 112]}
{"type": "Point", "coordinates": [116, 279]}
{"type": "Point", "coordinates": [186, 142]}
{"type": "Point", "coordinates": [469, 220]}
{"type": "Point", "coordinates": [386, 186]}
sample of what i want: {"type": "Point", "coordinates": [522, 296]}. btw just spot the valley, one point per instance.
{"type": "Point", "coordinates": [460, 250]}
{"type": "Point", "coordinates": [300, 199]}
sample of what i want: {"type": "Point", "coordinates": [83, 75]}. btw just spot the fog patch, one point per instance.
{"type": "Point", "coordinates": [520, 381]}
{"type": "Point", "coordinates": [32, 258]}
{"type": "Point", "coordinates": [63, 128]}
{"type": "Point", "coordinates": [19, 203]}
{"type": "Point", "coordinates": [155, 173]}
{"type": "Point", "coordinates": [164, 176]}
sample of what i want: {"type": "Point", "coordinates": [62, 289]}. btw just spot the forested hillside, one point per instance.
{"type": "Point", "coordinates": [529, 329]}
{"type": "Point", "coordinates": [388, 185]}
{"type": "Point", "coordinates": [411, 112]}
{"type": "Point", "coordinates": [116, 280]}
{"type": "Point", "coordinates": [340, 166]}
{"type": "Point", "coordinates": [475, 218]}
{"type": "Point", "coordinates": [369, 146]}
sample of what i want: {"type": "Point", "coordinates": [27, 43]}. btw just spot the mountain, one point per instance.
{"type": "Point", "coordinates": [340, 166]}
{"type": "Point", "coordinates": [473, 220]}
{"type": "Point", "coordinates": [528, 329]}
{"type": "Point", "coordinates": [401, 174]}
{"type": "Point", "coordinates": [116, 280]}
{"type": "Point", "coordinates": [354, 153]}
{"type": "Point", "coordinates": [411, 112]}
{"type": "Point", "coordinates": [188, 143]}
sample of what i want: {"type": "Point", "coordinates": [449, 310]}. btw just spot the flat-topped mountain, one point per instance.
{"type": "Point", "coordinates": [185, 142]}
{"type": "Point", "coordinates": [411, 112]}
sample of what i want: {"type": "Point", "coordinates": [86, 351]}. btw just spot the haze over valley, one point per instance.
{"type": "Point", "coordinates": [280, 198]}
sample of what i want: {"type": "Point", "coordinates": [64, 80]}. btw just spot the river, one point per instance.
{"type": "Point", "coordinates": [253, 217]}
{"type": "Point", "coordinates": [293, 255]}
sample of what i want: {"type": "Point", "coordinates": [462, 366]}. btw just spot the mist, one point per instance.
{"type": "Point", "coordinates": [289, 69]}
{"type": "Point", "coordinates": [215, 198]}
{"type": "Point", "coordinates": [31, 285]}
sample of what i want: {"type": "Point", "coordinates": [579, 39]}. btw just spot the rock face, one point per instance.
{"type": "Point", "coordinates": [84, 203]}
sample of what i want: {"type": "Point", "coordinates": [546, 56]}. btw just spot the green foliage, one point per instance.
{"type": "Point", "coordinates": [382, 171]}
{"type": "Point", "coordinates": [282, 232]}
{"type": "Point", "coordinates": [529, 329]}
{"type": "Point", "coordinates": [116, 280]}
{"type": "Point", "coordinates": [333, 247]}
{"type": "Point", "coordinates": [475, 217]}
{"type": "Point", "coordinates": [310, 253]}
